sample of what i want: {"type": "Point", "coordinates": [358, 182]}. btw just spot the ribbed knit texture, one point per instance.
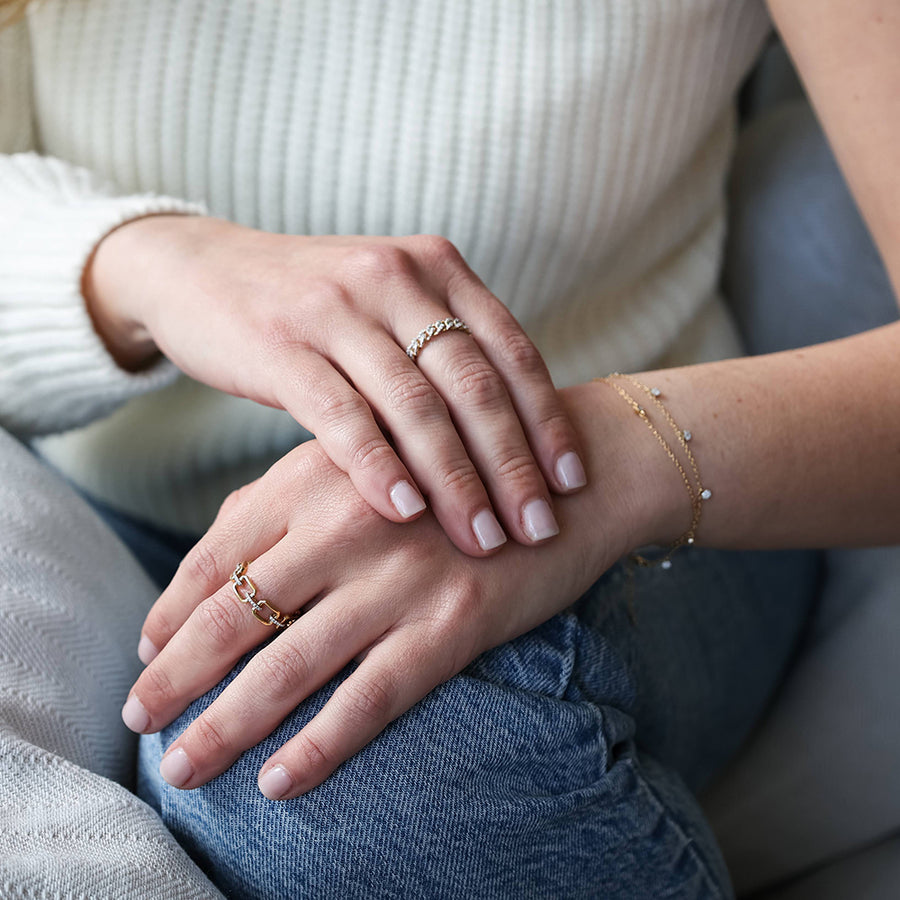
{"type": "Point", "coordinates": [72, 600]}
{"type": "Point", "coordinates": [574, 152]}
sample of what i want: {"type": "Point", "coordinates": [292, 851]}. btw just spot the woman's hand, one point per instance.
{"type": "Point", "coordinates": [402, 599]}
{"type": "Point", "coordinates": [318, 326]}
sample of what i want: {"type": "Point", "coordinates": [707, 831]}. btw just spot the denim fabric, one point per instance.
{"type": "Point", "coordinates": [561, 765]}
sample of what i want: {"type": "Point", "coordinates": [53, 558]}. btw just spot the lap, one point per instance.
{"type": "Point", "coordinates": [560, 764]}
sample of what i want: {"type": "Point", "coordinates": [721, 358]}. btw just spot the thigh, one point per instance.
{"type": "Point", "coordinates": [527, 775]}
{"type": "Point", "coordinates": [712, 641]}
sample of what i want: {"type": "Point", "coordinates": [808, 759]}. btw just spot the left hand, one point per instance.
{"type": "Point", "coordinates": [400, 598]}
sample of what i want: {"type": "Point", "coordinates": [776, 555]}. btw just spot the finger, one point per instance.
{"type": "Point", "coordinates": [242, 522]}
{"type": "Point", "coordinates": [534, 397]}
{"type": "Point", "coordinates": [220, 631]}
{"type": "Point", "coordinates": [489, 425]}
{"type": "Point", "coordinates": [321, 399]}
{"type": "Point", "coordinates": [426, 436]}
{"type": "Point", "coordinates": [396, 673]}
{"type": "Point", "coordinates": [270, 687]}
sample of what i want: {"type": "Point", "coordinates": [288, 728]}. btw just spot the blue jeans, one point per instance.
{"type": "Point", "coordinates": [562, 764]}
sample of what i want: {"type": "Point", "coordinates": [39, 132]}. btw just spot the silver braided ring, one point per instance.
{"type": "Point", "coordinates": [263, 611]}
{"type": "Point", "coordinates": [424, 336]}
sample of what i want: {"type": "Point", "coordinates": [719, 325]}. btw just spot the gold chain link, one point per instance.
{"type": "Point", "coordinates": [697, 493]}
{"type": "Point", "coordinates": [262, 610]}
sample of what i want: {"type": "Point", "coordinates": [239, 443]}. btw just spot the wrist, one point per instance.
{"type": "Point", "coordinates": [637, 495]}
{"type": "Point", "coordinates": [123, 279]}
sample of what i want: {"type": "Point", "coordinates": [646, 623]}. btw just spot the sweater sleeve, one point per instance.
{"type": "Point", "coordinates": [55, 371]}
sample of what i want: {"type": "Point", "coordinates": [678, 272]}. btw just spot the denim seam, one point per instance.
{"type": "Point", "coordinates": [690, 843]}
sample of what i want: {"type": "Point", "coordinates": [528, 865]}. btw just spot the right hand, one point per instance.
{"type": "Point", "coordinates": [318, 326]}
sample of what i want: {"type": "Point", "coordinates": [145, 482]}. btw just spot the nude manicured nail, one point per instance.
{"type": "Point", "coordinates": [538, 520]}
{"type": "Point", "coordinates": [275, 783]}
{"type": "Point", "coordinates": [406, 499]}
{"type": "Point", "coordinates": [135, 716]}
{"type": "Point", "coordinates": [487, 530]}
{"type": "Point", "coordinates": [176, 768]}
{"type": "Point", "coordinates": [570, 471]}
{"type": "Point", "coordinates": [147, 651]}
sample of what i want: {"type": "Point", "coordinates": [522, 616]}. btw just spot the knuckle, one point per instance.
{"type": "Point", "coordinates": [518, 467]}
{"type": "Point", "coordinates": [320, 297]}
{"type": "Point", "coordinates": [158, 627]}
{"type": "Point", "coordinates": [479, 384]}
{"type": "Point", "coordinates": [280, 334]}
{"type": "Point", "coordinates": [459, 477]}
{"type": "Point", "coordinates": [556, 422]}
{"type": "Point", "coordinates": [522, 354]}
{"type": "Point", "coordinates": [285, 670]}
{"type": "Point", "coordinates": [305, 467]}
{"type": "Point", "coordinates": [435, 250]}
{"type": "Point", "coordinates": [372, 453]}
{"type": "Point", "coordinates": [468, 604]}
{"type": "Point", "coordinates": [300, 325]}
{"type": "Point", "coordinates": [157, 690]}
{"type": "Point", "coordinates": [221, 622]}
{"type": "Point", "coordinates": [336, 410]}
{"type": "Point", "coordinates": [410, 393]}
{"type": "Point", "coordinates": [210, 734]}
{"type": "Point", "coordinates": [313, 752]}
{"type": "Point", "coordinates": [378, 262]}
{"type": "Point", "coordinates": [201, 566]}
{"type": "Point", "coordinates": [367, 698]}
{"type": "Point", "coordinates": [454, 625]}
{"type": "Point", "coordinates": [232, 501]}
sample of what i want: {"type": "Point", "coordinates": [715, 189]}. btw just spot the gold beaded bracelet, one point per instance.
{"type": "Point", "coordinates": [692, 482]}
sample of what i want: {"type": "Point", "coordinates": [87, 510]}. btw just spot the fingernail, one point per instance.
{"type": "Point", "coordinates": [487, 530]}
{"type": "Point", "coordinates": [406, 499]}
{"type": "Point", "coordinates": [275, 783]}
{"type": "Point", "coordinates": [538, 520]}
{"type": "Point", "coordinates": [176, 768]}
{"type": "Point", "coordinates": [135, 716]}
{"type": "Point", "coordinates": [570, 471]}
{"type": "Point", "coordinates": [147, 651]}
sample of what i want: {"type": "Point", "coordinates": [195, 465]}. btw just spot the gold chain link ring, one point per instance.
{"type": "Point", "coordinates": [262, 610]}
{"type": "Point", "coordinates": [432, 331]}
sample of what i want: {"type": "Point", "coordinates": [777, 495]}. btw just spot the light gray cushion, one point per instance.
{"type": "Point", "coordinates": [820, 778]}
{"type": "Point", "coordinates": [72, 600]}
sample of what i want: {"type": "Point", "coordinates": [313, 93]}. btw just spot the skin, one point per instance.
{"type": "Point", "coordinates": [318, 326]}
{"type": "Point", "coordinates": [800, 449]}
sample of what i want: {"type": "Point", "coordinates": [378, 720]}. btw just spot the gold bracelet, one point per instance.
{"type": "Point", "coordinates": [697, 493]}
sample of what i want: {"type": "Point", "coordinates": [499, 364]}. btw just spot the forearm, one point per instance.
{"type": "Point", "coordinates": [799, 449]}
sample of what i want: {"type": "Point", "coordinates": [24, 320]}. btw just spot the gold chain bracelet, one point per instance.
{"type": "Point", "coordinates": [693, 484]}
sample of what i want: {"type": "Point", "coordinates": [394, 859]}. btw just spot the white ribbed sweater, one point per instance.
{"type": "Point", "coordinates": [574, 151]}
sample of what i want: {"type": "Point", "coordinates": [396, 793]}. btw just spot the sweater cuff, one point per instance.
{"type": "Point", "coordinates": [55, 370]}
